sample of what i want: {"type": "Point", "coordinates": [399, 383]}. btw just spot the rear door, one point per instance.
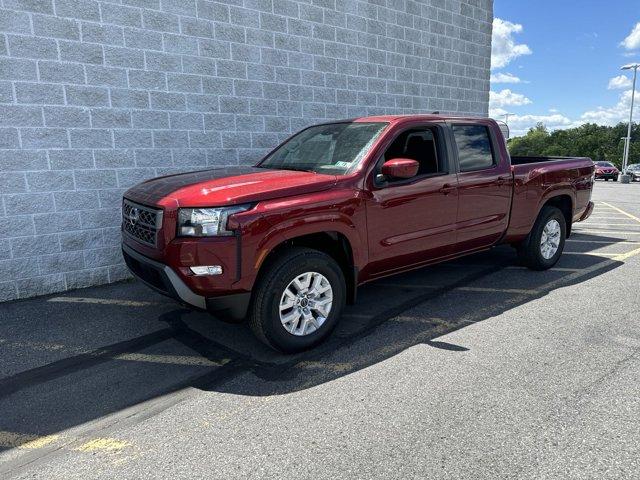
{"type": "Point", "coordinates": [412, 221]}
{"type": "Point", "coordinates": [484, 185]}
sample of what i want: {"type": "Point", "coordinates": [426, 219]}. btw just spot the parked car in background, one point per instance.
{"type": "Point", "coordinates": [634, 171]}
{"type": "Point", "coordinates": [606, 171]}
{"type": "Point", "coordinates": [286, 242]}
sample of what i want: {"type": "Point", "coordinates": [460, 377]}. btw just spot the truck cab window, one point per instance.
{"type": "Point", "coordinates": [418, 144]}
{"type": "Point", "coordinates": [474, 147]}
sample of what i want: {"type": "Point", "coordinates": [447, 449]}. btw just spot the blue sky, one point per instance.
{"type": "Point", "coordinates": [563, 55]}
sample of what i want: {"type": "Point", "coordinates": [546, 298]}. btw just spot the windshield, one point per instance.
{"type": "Point", "coordinates": [604, 164]}
{"type": "Point", "coordinates": [334, 148]}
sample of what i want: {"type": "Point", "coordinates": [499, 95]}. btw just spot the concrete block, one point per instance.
{"type": "Point", "coordinates": [90, 138]}
{"type": "Point", "coordinates": [50, 181]}
{"type": "Point", "coordinates": [32, 47]}
{"type": "Point", "coordinates": [55, 27]}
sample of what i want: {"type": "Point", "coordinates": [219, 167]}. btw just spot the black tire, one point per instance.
{"type": "Point", "coordinates": [529, 251]}
{"type": "Point", "coordinates": [606, 179]}
{"type": "Point", "coordinates": [615, 179]}
{"type": "Point", "coordinates": [264, 313]}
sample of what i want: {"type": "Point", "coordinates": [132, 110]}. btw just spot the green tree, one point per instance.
{"type": "Point", "coordinates": [598, 142]}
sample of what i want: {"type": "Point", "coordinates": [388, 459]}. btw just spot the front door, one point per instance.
{"type": "Point", "coordinates": [412, 221]}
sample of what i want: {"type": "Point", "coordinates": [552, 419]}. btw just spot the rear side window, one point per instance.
{"type": "Point", "coordinates": [474, 147]}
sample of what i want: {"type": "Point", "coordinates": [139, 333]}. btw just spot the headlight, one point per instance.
{"type": "Point", "coordinates": [206, 222]}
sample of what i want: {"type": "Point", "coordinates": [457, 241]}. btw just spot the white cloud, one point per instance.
{"type": "Point", "coordinates": [632, 41]}
{"type": "Point", "coordinates": [619, 82]}
{"type": "Point", "coordinates": [507, 98]}
{"type": "Point", "coordinates": [520, 124]}
{"type": "Point", "coordinates": [504, 48]}
{"type": "Point", "coordinates": [611, 115]}
{"type": "Point", "coordinates": [504, 78]}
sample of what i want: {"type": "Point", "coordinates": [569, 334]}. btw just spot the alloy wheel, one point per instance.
{"type": "Point", "coordinates": [306, 303]}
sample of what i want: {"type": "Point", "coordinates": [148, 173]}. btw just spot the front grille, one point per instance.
{"type": "Point", "coordinates": [140, 222]}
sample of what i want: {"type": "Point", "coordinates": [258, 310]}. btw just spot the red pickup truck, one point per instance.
{"type": "Point", "coordinates": [285, 243]}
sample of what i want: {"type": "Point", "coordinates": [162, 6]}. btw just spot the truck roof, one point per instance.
{"type": "Point", "coordinates": [427, 117]}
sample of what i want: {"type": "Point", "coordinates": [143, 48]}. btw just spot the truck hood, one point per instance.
{"type": "Point", "coordinates": [227, 186]}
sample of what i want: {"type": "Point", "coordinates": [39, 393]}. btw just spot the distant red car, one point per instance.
{"type": "Point", "coordinates": [606, 170]}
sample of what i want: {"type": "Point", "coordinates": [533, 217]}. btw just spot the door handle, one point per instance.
{"type": "Point", "coordinates": [501, 180]}
{"type": "Point", "coordinates": [447, 189]}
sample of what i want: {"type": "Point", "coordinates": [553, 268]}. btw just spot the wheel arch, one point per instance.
{"type": "Point", "coordinates": [332, 243]}
{"type": "Point", "coordinates": [564, 203]}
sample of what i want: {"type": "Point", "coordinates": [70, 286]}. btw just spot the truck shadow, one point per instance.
{"type": "Point", "coordinates": [177, 348]}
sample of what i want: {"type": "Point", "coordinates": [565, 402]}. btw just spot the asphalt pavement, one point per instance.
{"type": "Point", "coordinates": [475, 368]}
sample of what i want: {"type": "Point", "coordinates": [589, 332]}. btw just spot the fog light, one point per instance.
{"type": "Point", "coordinates": [207, 270]}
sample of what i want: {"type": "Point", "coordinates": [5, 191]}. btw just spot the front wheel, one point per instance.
{"type": "Point", "coordinates": [543, 247]}
{"type": "Point", "coordinates": [615, 179]}
{"type": "Point", "coordinates": [298, 300]}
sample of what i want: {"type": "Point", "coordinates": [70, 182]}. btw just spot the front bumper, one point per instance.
{"type": "Point", "coordinates": [606, 175]}
{"type": "Point", "coordinates": [166, 281]}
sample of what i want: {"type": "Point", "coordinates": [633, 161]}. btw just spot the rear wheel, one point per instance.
{"type": "Point", "coordinates": [615, 179]}
{"type": "Point", "coordinates": [298, 300]}
{"type": "Point", "coordinates": [543, 247]}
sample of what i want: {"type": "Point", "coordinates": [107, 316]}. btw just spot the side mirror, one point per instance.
{"type": "Point", "coordinates": [400, 168]}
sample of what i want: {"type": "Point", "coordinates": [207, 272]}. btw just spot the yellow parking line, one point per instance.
{"type": "Point", "coordinates": [594, 254]}
{"type": "Point", "coordinates": [608, 232]}
{"type": "Point", "coordinates": [500, 290]}
{"type": "Point", "coordinates": [192, 360]}
{"type": "Point", "coordinates": [622, 212]}
{"type": "Point", "coordinates": [413, 319]}
{"type": "Point", "coordinates": [624, 256]}
{"type": "Point", "coordinates": [356, 315]}
{"type": "Point", "coordinates": [607, 242]}
{"type": "Point", "coordinates": [553, 269]}
{"type": "Point", "coordinates": [593, 224]}
{"type": "Point", "coordinates": [28, 441]}
{"type": "Point", "coordinates": [103, 301]}
{"type": "Point", "coordinates": [25, 441]}
{"type": "Point", "coordinates": [463, 289]}
{"type": "Point", "coordinates": [102, 444]}
{"type": "Point", "coordinates": [563, 281]}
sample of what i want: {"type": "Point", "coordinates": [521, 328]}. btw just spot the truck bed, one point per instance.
{"type": "Point", "coordinates": [536, 178]}
{"type": "Point", "coordinates": [523, 160]}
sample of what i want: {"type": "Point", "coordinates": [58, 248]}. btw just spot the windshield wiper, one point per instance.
{"type": "Point", "coordinates": [293, 169]}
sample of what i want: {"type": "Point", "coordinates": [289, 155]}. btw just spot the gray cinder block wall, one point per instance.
{"type": "Point", "coordinates": [96, 96]}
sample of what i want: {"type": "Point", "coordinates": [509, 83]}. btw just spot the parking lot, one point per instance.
{"type": "Point", "coordinates": [476, 368]}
